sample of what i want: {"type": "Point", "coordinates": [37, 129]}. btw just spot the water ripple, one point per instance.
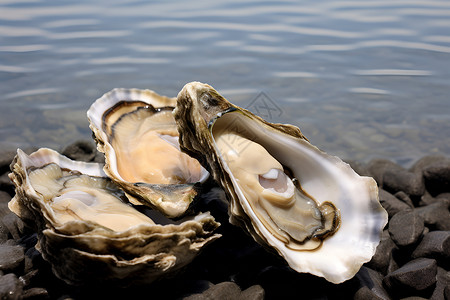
{"type": "Point", "coordinates": [393, 72]}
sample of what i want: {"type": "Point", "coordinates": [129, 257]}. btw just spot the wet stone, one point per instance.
{"type": "Point", "coordinates": [435, 244]}
{"type": "Point", "coordinates": [425, 162]}
{"type": "Point", "coordinates": [436, 215]}
{"type": "Point", "coordinates": [399, 179]}
{"type": "Point", "coordinates": [380, 260]}
{"type": "Point", "coordinates": [10, 287]}
{"type": "Point", "coordinates": [437, 177]}
{"type": "Point", "coordinates": [371, 285]}
{"type": "Point", "coordinates": [404, 198]}
{"type": "Point", "coordinates": [442, 281]}
{"type": "Point", "coordinates": [416, 275]}
{"type": "Point", "coordinates": [391, 203]}
{"type": "Point", "coordinates": [227, 290]}
{"type": "Point", "coordinates": [11, 256]}
{"type": "Point", "coordinates": [406, 227]}
{"type": "Point", "coordinates": [82, 150]}
{"type": "Point", "coordinates": [4, 197]}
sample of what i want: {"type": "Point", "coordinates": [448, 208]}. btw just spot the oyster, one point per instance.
{"type": "Point", "coordinates": [311, 207]}
{"type": "Point", "coordinates": [137, 133]}
{"type": "Point", "coordinates": [89, 234]}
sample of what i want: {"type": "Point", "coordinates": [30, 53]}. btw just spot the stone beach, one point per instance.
{"type": "Point", "coordinates": [412, 260]}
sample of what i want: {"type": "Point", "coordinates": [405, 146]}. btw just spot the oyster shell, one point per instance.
{"type": "Point", "coordinates": [137, 133]}
{"type": "Point", "coordinates": [311, 207]}
{"type": "Point", "coordinates": [88, 234]}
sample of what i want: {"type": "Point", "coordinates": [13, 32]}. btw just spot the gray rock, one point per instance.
{"type": "Point", "coordinates": [436, 215]}
{"type": "Point", "coordinates": [4, 197]}
{"type": "Point", "coordinates": [224, 290]}
{"type": "Point", "coordinates": [427, 199]}
{"type": "Point", "coordinates": [255, 292]}
{"type": "Point", "coordinates": [10, 257]}
{"type": "Point", "coordinates": [437, 177]}
{"type": "Point", "coordinates": [406, 227]}
{"type": "Point", "coordinates": [426, 161]}
{"type": "Point", "coordinates": [371, 285]}
{"type": "Point", "coordinates": [435, 244]}
{"type": "Point", "coordinates": [404, 198]}
{"type": "Point", "coordinates": [10, 287]}
{"type": "Point", "coordinates": [391, 203]}
{"type": "Point", "coordinates": [393, 178]}
{"type": "Point", "coordinates": [442, 281]}
{"type": "Point", "coordinates": [380, 260]}
{"type": "Point", "coordinates": [416, 275]}
{"type": "Point", "coordinates": [83, 150]}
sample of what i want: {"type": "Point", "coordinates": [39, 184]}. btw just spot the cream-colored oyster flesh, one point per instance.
{"type": "Point", "coordinates": [89, 233]}
{"type": "Point", "coordinates": [137, 133]}
{"type": "Point", "coordinates": [311, 207]}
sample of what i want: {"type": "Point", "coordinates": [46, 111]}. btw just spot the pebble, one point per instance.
{"type": "Point", "coordinates": [442, 282]}
{"type": "Point", "coordinates": [416, 275]}
{"type": "Point", "coordinates": [380, 261]}
{"type": "Point", "coordinates": [11, 256]}
{"type": "Point", "coordinates": [406, 227]}
{"type": "Point", "coordinates": [436, 216]}
{"type": "Point", "coordinates": [393, 178]}
{"type": "Point", "coordinates": [391, 203]}
{"type": "Point", "coordinates": [437, 177]}
{"type": "Point", "coordinates": [10, 287]}
{"type": "Point", "coordinates": [404, 198]}
{"type": "Point", "coordinates": [82, 150]}
{"type": "Point", "coordinates": [229, 291]}
{"type": "Point", "coordinates": [371, 285]}
{"type": "Point", "coordinates": [435, 244]}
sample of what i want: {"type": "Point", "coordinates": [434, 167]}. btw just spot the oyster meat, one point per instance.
{"type": "Point", "coordinates": [87, 230]}
{"type": "Point", "coordinates": [310, 207]}
{"type": "Point", "coordinates": [136, 131]}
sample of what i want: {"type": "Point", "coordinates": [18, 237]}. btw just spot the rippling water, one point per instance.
{"type": "Point", "coordinates": [362, 79]}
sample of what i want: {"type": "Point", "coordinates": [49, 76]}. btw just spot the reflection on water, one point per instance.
{"type": "Point", "coordinates": [362, 79]}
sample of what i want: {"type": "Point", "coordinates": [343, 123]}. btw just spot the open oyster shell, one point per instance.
{"type": "Point", "coordinates": [311, 207]}
{"type": "Point", "coordinates": [136, 131]}
{"type": "Point", "coordinates": [88, 234]}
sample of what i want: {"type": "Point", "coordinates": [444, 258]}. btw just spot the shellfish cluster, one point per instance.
{"type": "Point", "coordinates": [132, 219]}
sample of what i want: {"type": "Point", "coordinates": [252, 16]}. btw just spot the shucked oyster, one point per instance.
{"type": "Point", "coordinates": [89, 234]}
{"type": "Point", "coordinates": [137, 133]}
{"type": "Point", "coordinates": [312, 208]}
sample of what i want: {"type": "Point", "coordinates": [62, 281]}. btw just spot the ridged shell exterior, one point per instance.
{"type": "Point", "coordinates": [362, 217]}
{"type": "Point", "coordinates": [82, 252]}
{"type": "Point", "coordinates": [171, 199]}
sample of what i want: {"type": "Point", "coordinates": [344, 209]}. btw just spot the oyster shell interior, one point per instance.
{"type": "Point", "coordinates": [72, 196]}
{"type": "Point", "coordinates": [271, 189]}
{"type": "Point", "coordinates": [145, 141]}
{"type": "Point", "coordinates": [136, 131]}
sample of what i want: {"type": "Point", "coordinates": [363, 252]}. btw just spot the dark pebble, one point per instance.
{"type": "Point", "coordinates": [427, 199]}
{"type": "Point", "coordinates": [383, 254]}
{"type": "Point", "coordinates": [255, 292]}
{"type": "Point", "coordinates": [226, 290]}
{"type": "Point", "coordinates": [10, 257]}
{"type": "Point", "coordinates": [426, 161]}
{"type": "Point", "coordinates": [402, 196]}
{"type": "Point", "coordinates": [416, 275]}
{"type": "Point", "coordinates": [437, 177]}
{"type": "Point", "coordinates": [35, 293]}
{"type": "Point", "coordinates": [436, 215]}
{"type": "Point", "coordinates": [406, 227]}
{"type": "Point", "coordinates": [4, 197]}
{"type": "Point", "coordinates": [83, 150]}
{"type": "Point", "coordinates": [442, 281]}
{"type": "Point", "coordinates": [391, 203]}
{"type": "Point", "coordinates": [393, 178]}
{"type": "Point", "coordinates": [10, 287]}
{"type": "Point", "coordinates": [371, 285]}
{"type": "Point", "coordinates": [435, 244]}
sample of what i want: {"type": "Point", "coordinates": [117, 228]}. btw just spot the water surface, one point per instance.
{"type": "Point", "coordinates": [362, 79]}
